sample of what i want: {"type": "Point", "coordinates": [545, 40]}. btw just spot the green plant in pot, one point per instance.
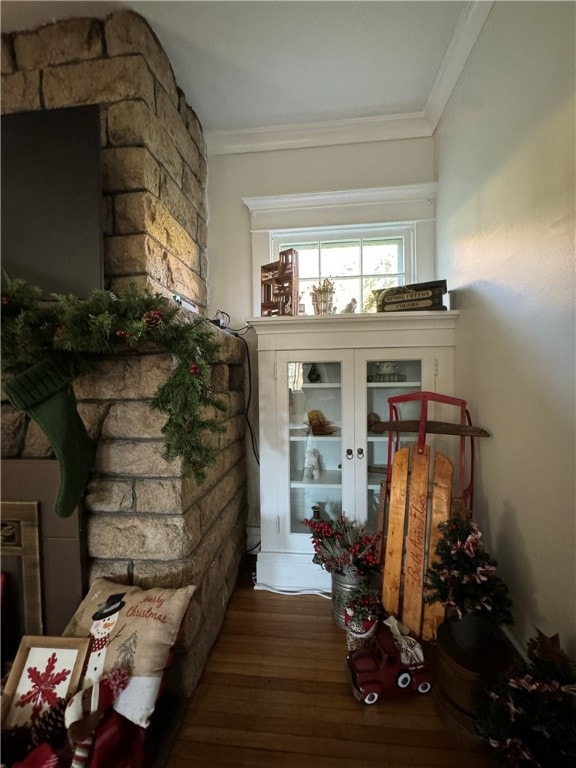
{"type": "Point", "coordinates": [362, 609]}
{"type": "Point", "coordinates": [322, 297]}
{"type": "Point", "coordinates": [464, 579]}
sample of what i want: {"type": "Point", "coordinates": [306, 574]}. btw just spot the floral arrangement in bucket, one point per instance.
{"type": "Point", "coordinates": [343, 546]}
{"type": "Point", "coordinates": [464, 577]}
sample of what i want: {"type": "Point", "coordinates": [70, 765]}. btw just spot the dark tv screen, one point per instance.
{"type": "Point", "coordinates": [51, 199]}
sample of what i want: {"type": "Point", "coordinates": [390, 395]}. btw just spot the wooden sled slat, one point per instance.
{"type": "Point", "coordinates": [440, 511]}
{"type": "Point", "coordinates": [392, 572]}
{"type": "Point", "coordinates": [432, 427]}
{"type": "Point", "coordinates": [416, 540]}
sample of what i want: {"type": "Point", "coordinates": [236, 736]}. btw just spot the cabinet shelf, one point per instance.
{"type": "Point", "coordinates": [299, 435]}
{"type": "Point", "coordinates": [329, 478]}
{"type": "Point", "coordinates": [392, 384]}
{"type": "Point", "coordinates": [323, 385]}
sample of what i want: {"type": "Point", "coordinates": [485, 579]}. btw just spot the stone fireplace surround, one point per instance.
{"type": "Point", "coordinates": [145, 520]}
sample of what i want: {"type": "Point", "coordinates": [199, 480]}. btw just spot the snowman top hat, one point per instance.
{"type": "Point", "coordinates": [113, 604]}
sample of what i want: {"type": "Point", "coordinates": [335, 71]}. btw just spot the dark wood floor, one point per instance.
{"type": "Point", "coordinates": [275, 693]}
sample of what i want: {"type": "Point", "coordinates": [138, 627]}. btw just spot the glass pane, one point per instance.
{"type": "Point", "coordinates": [315, 406]}
{"type": "Point", "coordinates": [380, 257]}
{"type": "Point", "coordinates": [372, 285]}
{"type": "Point", "coordinates": [308, 258]}
{"type": "Point", "coordinates": [347, 295]}
{"type": "Point", "coordinates": [340, 258]}
{"type": "Point", "coordinates": [305, 298]}
{"type": "Point", "coordinates": [384, 379]}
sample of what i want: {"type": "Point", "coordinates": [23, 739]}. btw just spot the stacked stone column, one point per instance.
{"type": "Point", "coordinates": [145, 518]}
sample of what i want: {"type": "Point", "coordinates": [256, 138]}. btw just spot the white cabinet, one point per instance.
{"type": "Point", "coordinates": [338, 461]}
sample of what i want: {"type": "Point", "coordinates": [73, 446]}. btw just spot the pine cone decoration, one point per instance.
{"type": "Point", "coordinates": [50, 726]}
{"type": "Point", "coordinates": [152, 318]}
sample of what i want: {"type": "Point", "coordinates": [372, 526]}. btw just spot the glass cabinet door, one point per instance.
{"type": "Point", "coordinates": [332, 452]}
{"type": "Point", "coordinates": [316, 423]}
{"type": "Point", "coordinates": [382, 377]}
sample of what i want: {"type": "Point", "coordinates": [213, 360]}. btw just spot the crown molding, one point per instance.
{"type": "Point", "coordinates": [359, 130]}
{"type": "Point", "coordinates": [402, 194]}
{"type": "Point", "coordinates": [366, 129]}
{"type": "Point", "coordinates": [470, 24]}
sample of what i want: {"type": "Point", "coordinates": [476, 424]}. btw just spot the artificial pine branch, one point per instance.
{"type": "Point", "coordinates": [529, 713]}
{"type": "Point", "coordinates": [105, 323]}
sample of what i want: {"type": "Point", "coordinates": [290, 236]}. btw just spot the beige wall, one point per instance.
{"type": "Point", "coordinates": [323, 169]}
{"type": "Point", "coordinates": [505, 224]}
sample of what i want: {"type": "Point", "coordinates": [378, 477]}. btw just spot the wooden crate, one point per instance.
{"type": "Point", "coordinates": [279, 285]}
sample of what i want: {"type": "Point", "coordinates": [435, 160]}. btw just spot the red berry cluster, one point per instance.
{"type": "Point", "coordinates": [341, 545]}
{"type": "Point", "coordinates": [320, 528]}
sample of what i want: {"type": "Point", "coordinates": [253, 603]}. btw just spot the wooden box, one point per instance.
{"type": "Point", "coordinates": [414, 297]}
{"type": "Point", "coordinates": [279, 285]}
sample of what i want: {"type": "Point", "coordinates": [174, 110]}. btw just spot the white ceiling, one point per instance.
{"type": "Point", "coordinates": [297, 73]}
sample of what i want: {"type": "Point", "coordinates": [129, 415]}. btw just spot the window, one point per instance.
{"type": "Point", "coordinates": [362, 239]}
{"type": "Point", "coordinates": [359, 261]}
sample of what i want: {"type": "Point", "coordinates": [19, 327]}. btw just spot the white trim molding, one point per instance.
{"type": "Point", "coordinates": [358, 130]}
{"type": "Point", "coordinates": [367, 129]}
{"type": "Point", "coordinates": [425, 192]}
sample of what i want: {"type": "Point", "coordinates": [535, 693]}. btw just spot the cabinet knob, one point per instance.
{"type": "Point", "coordinates": [360, 453]}
{"type": "Point", "coordinates": [349, 453]}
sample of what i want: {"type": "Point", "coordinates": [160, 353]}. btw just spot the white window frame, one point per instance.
{"type": "Point", "coordinates": [290, 237]}
{"type": "Point", "coordinates": [382, 210]}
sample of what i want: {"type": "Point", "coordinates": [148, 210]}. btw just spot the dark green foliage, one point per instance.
{"type": "Point", "coordinates": [529, 714]}
{"type": "Point", "coordinates": [106, 323]}
{"type": "Point", "coordinates": [464, 577]}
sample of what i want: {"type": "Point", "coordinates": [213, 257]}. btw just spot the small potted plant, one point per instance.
{"type": "Point", "coordinates": [464, 579]}
{"type": "Point", "coordinates": [362, 609]}
{"type": "Point", "coordinates": [322, 297]}
{"type": "Point", "coordinates": [361, 616]}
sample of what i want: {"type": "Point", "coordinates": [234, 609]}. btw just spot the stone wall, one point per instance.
{"type": "Point", "coordinates": [153, 151]}
{"type": "Point", "coordinates": [147, 522]}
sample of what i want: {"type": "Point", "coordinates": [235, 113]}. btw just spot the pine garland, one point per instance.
{"type": "Point", "coordinates": [107, 323]}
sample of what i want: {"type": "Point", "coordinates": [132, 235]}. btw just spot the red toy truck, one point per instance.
{"type": "Point", "coordinates": [379, 670]}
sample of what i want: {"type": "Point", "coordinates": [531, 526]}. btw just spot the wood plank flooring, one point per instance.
{"type": "Point", "coordinates": [275, 693]}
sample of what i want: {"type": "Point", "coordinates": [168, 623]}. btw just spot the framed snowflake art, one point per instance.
{"type": "Point", "coordinates": [45, 670]}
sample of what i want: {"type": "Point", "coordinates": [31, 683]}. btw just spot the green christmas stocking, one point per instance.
{"type": "Point", "coordinates": [45, 393]}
